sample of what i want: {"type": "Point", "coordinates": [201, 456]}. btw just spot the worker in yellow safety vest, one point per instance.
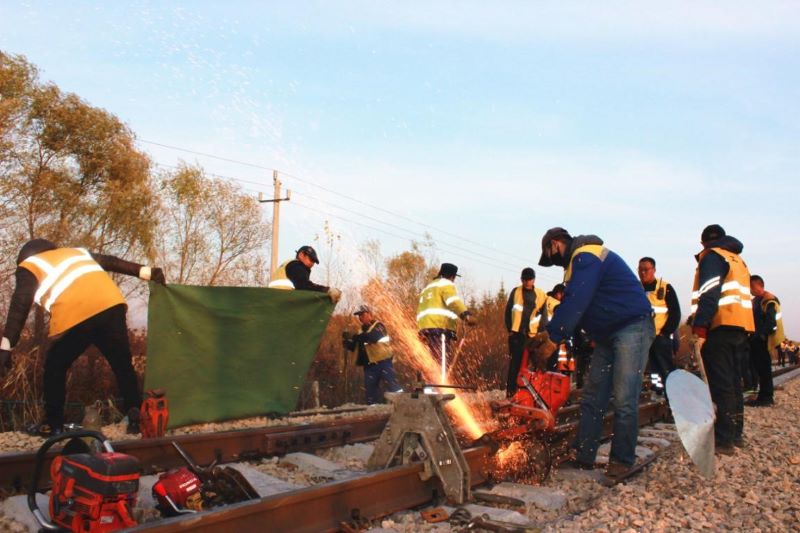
{"type": "Point", "coordinates": [768, 337]}
{"type": "Point", "coordinates": [439, 309]}
{"type": "Point", "coordinates": [666, 317]}
{"type": "Point", "coordinates": [295, 274]}
{"type": "Point", "coordinates": [86, 308]}
{"type": "Point", "coordinates": [525, 316]}
{"type": "Point", "coordinates": [374, 354]}
{"type": "Point", "coordinates": [723, 319]}
{"type": "Point", "coordinates": [554, 298]}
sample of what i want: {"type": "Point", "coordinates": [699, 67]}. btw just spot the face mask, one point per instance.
{"type": "Point", "coordinates": [558, 259]}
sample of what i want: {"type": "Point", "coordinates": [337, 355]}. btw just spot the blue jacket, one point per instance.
{"type": "Point", "coordinates": [601, 297]}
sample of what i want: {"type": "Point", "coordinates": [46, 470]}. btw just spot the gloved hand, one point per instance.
{"type": "Point", "coordinates": [5, 362]}
{"type": "Point", "coordinates": [157, 275]}
{"type": "Point", "coordinates": [335, 295]}
{"type": "Point", "coordinates": [471, 320]}
{"type": "Point", "coordinates": [541, 348]}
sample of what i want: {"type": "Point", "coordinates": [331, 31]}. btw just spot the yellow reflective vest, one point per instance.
{"type": "Point", "coordinates": [595, 249]}
{"type": "Point", "coordinates": [73, 287]}
{"type": "Point", "coordinates": [439, 306]}
{"type": "Point", "coordinates": [379, 350]}
{"type": "Point", "coordinates": [735, 304]}
{"type": "Point", "coordinates": [517, 308]}
{"type": "Point", "coordinates": [658, 301]}
{"type": "Point", "coordinates": [551, 305]}
{"type": "Point", "coordinates": [279, 279]}
{"type": "Point", "coordinates": [777, 336]}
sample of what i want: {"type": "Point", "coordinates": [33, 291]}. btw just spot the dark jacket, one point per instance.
{"type": "Point", "coordinates": [300, 276]}
{"type": "Point", "coordinates": [601, 297]}
{"type": "Point", "coordinates": [358, 341]}
{"type": "Point", "coordinates": [710, 266]}
{"type": "Point", "coordinates": [528, 305]}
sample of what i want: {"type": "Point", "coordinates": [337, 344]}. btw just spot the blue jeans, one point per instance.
{"type": "Point", "coordinates": [374, 373]}
{"type": "Point", "coordinates": [616, 368]}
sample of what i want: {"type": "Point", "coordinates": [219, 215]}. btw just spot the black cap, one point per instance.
{"type": "Point", "coordinates": [527, 273]}
{"type": "Point", "coordinates": [552, 233]}
{"type": "Point", "coordinates": [33, 247]}
{"type": "Point", "coordinates": [448, 270]}
{"type": "Point", "coordinates": [310, 252]}
{"type": "Point", "coordinates": [712, 233]}
{"type": "Point", "coordinates": [362, 309]}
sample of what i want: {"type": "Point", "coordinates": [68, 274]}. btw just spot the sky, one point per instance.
{"type": "Point", "coordinates": [480, 123]}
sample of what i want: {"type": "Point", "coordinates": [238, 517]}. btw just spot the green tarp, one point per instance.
{"type": "Point", "coordinates": [231, 352]}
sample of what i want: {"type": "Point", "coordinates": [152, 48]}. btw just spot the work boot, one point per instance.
{"type": "Point", "coordinates": [133, 421]}
{"type": "Point", "coordinates": [615, 470]}
{"type": "Point", "coordinates": [577, 465]}
{"type": "Point", "coordinates": [760, 402]}
{"type": "Point", "coordinates": [45, 430]}
{"type": "Point", "coordinates": [724, 449]}
{"type": "Point", "coordinates": [740, 443]}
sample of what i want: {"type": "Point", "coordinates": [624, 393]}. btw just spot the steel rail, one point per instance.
{"type": "Point", "coordinates": [224, 447]}
{"type": "Point", "coordinates": [326, 507]}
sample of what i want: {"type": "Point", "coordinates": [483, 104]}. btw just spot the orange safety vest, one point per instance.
{"type": "Point", "coordinates": [565, 363]}
{"type": "Point", "coordinates": [735, 303]}
{"type": "Point", "coordinates": [516, 310]}
{"type": "Point", "coordinates": [73, 287]}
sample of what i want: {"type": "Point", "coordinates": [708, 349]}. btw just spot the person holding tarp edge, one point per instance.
{"type": "Point", "coordinates": [295, 274]}
{"type": "Point", "coordinates": [86, 308]}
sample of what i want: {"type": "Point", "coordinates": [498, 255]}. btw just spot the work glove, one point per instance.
{"type": "Point", "coordinates": [541, 347]}
{"type": "Point", "coordinates": [157, 275]}
{"type": "Point", "coordinates": [5, 362]}
{"type": "Point", "coordinates": [335, 295]}
{"type": "Point", "coordinates": [468, 319]}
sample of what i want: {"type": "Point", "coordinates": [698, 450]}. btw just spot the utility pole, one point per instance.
{"type": "Point", "coordinates": [276, 216]}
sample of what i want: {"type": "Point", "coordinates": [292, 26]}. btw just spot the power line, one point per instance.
{"type": "Point", "coordinates": [345, 219]}
{"type": "Point", "coordinates": [414, 235]}
{"type": "Point", "coordinates": [351, 198]}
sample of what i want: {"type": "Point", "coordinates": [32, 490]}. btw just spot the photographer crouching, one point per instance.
{"type": "Point", "coordinates": [374, 354]}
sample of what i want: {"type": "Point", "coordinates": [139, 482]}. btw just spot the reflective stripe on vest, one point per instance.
{"type": "Point", "coordinates": [597, 250]}
{"type": "Point", "coordinates": [659, 305]}
{"type": "Point", "coordinates": [518, 307]}
{"type": "Point", "coordinates": [735, 304]}
{"type": "Point", "coordinates": [379, 350]}
{"type": "Point", "coordinates": [777, 336]}
{"type": "Point", "coordinates": [72, 286]}
{"type": "Point", "coordinates": [439, 306]}
{"type": "Point", "coordinates": [279, 278]}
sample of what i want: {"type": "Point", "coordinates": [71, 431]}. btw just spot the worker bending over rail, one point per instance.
{"type": "Point", "coordinates": [604, 298]}
{"type": "Point", "coordinates": [86, 308]}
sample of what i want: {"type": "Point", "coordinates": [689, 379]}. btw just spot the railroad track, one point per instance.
{"type": "Point", "coordinates": [224, 447]}
{"type": "Point", "coordinates": [371, 496]}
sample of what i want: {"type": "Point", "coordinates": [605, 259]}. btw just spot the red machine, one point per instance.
{"type": "Point", "coordinates": [539, 396]}
{"type": "Point", "coordinates": [92, 492]}
{"type": "Point", "coordinates": [527, 420]}
{"type": "Point", "coordinates": [154, 414]}
{"type": "Point", "coordinates": [178, 492]}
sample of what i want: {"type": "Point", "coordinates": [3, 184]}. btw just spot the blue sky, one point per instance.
{"type": "Point", "coordinates": [640, 122]}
